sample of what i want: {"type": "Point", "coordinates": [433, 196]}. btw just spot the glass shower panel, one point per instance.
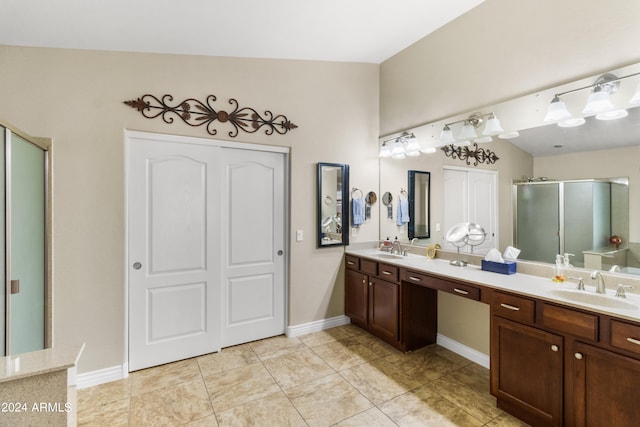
{"type": "Point", "coordinates": [27, 245]}
{"type": "Point", "coordinates": [587, 218]}
{"type": "Point", "coordinates": [3, 282]}
{"type": "Point", "coordinates": [537, 221]}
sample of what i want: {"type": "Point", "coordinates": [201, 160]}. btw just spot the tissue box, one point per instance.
{"type": "Point", "coordinates": [508, 267]}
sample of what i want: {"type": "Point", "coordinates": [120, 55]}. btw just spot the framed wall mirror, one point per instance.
{"type": "Point", "coordinates": [419, 204]}
{"type": "Point", "coordinates": [333, 204]}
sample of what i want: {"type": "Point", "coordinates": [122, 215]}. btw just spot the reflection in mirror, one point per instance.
{"type": "Point", "coordinates": [333, 204]}
{"type": "Point", "coordinates": [387, 200]}
{"type": "Point", "coordinates": [598, 149]}
{"type": "Point", "coordinates": [578, 217]}
{"type": "Point", "coordinates": [419, 210]}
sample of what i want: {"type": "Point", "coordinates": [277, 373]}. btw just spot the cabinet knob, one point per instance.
{"type": "Point", "coordinates": [554, 348]}
{"type": "Point", "coordinates": [578, 356]}
{"type": "Point", "coordinates": [364, 281]}
{"type": "Point", "coordinates": [370, 284]}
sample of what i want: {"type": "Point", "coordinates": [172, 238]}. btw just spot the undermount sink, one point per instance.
{"type": "Point", "coordinates": [591, 298]}
{"type": "Point", "coordinates": [390, 256]}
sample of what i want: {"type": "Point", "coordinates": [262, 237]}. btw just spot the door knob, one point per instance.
{"type": "Point", "coordinates": [137, 266]}
{"type": "Point", "coordinates": [280, 252]}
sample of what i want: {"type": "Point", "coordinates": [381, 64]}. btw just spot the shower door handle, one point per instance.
{"type": "Point", "coordinates": [15, 286]}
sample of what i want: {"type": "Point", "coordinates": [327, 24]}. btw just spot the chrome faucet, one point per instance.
{"type": "Point", "coordinates": [600, 288]}
{"type": "Point", "coordinates": [414, 241]}
{"type": "Point", "coordinates": [396, 247]}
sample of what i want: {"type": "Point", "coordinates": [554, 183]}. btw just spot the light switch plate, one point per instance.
{"type": "Point", "coordinates": [437, 227]}
{"type": "Point", "coordinates": [299, 236]}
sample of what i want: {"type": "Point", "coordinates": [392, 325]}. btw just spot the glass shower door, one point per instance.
{"type": "Point", "coordinates": [538, 221]}
{"type": "Point", "coordinates": [26, 245]}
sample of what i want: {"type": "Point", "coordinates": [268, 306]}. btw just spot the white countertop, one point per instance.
{"type": "Point", "coordinates": [38, 362]}
{"type": "Point", "coordinates": [524, 284]}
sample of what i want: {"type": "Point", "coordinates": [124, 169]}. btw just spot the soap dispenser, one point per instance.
{"type": "Point", "coordinates": [565, 260]}
{"type": "Point", "coordinates": [558, 269]}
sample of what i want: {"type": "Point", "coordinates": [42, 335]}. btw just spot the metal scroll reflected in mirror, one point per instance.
{"type": "Point", "coordinates": [333, 204]}
{"type": "Point", "coordinates": [387, 200]}
{"type": "Point", "coordinates": [419, 209]}
{"type": "Point", "coordinates": [573, 216]}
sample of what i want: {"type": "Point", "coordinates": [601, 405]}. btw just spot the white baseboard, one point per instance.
{"type": "Point", "coordinates": [318, 325]}
{"type": "Point", "coordinates": [114, 373]}
{"type": "Point", "coordinates": [464, 351]}
{"type": "Point", "coordinates": [101, 376]}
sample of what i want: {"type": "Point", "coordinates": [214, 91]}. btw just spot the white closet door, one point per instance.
{"type": "Point", "coordinates": [254, 259]}
{"type": "Point", "coordinates": [174, 251]}
{"type": "Point", "coordinates": [455, 202]}
{"type": "Point", "coordinates": [471, 196]}
{"type": "Point", "coordinates": [482, 207]}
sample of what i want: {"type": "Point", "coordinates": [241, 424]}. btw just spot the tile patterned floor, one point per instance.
{"type": "Point", "coordinates": [338, 377]}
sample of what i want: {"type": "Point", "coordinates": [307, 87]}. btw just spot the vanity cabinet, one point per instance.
{"type": "Point", "coordinates": [377, 301]}
{"type": "Point", "coordinates": [553, 365]}
{"type": "Point", "coordinates": [605, 390]}
{"type": "Point", "coordinates": [372, 297]}
{"type": "Point", "coordinates": [526, 375]}
{"type": "Point", "coordinates": [526, 362]}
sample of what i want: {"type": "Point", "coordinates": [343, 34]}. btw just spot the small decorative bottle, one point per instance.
{"type": "Point", "coordinates": [558, 270]}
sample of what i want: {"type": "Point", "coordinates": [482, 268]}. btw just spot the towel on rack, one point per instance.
{"type": "Point", "coordinates": [403, 212]}
{"type": "Point", "coordinates": [357, 211]}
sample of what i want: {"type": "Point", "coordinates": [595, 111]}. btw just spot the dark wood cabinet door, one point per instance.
{"type": "Point", "coordinates": [606, 388]}
{"type": "Point", "coordinates": [357, 296]}
{"type": "Point", "coordinates": [384, 298]}
{"type": "Point", "coordinates": [527, 372]}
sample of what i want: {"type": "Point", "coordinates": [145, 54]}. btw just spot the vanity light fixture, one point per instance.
{"type": "Point", "coordinates": [385, 150]}
{"type": "Point", "coordinates": [397, 152]}
{"type": "Point", "coordinates": [492, 127]}
{"type": "Point", "coordinates": [446, 137]}
{"type": "Point", "coordinates": [635, 99]}
{"type": "Point", "coordinates": [468, 131]}
{"type": "Point", "coordinates": [401, 147]}
{"type": "Point", "coordinates": [557, 110]}
{"type": "Point", "coordinates": [598, 104]}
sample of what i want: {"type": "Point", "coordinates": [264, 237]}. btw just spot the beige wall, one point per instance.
{"type": "Point", "coordinates": [499, 50]}
{"type": "Point", "coordinates": [75, 97]}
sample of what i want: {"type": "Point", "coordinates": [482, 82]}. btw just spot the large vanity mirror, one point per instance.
{"type": "Point", "coordinates": [419, 186]}
{"type": "Point", "coordinates": [535, 150]}
{"type": "Point", "coordinates": [333, 204]}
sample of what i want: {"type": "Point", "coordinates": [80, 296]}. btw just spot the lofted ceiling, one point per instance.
{"type": "Point", "coordinates": [594, 135]}
{"type": "Point", "coordinates": [367, 31]}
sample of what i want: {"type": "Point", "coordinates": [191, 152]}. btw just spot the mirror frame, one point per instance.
{"type": "Point", "coordinates": [411, 229]}
{"type": "Point", "coordinates": [344, 209]}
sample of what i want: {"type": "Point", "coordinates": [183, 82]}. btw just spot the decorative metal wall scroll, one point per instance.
{"type": "Point", "coordinates": [480, 155]}
{"type": "Point", "coordinates": [202, 113]}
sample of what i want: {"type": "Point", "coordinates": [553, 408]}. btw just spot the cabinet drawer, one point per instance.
{"type": "Point", "coordinates": [513, 307]}
{"type": "Point", "coordinates": [415, 277]}
{"type": "Point", "coordinates": [352, 262]}
{"type": "Point", "coordinates": [388, 272]}
{"type": "Point", "coordinates": [441, 284]}
{"type": "Point", "coordinates": [569, 321]}
{"type": "Point", "coordinates": [368, 266]}
{"type": "Point", "coordinates": [625, 336]}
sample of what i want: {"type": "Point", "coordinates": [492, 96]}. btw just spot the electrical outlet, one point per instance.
{"type": "Point", "coordinates": [437, 227]}
{"type": "Point", "coordinates": [354, 231]}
